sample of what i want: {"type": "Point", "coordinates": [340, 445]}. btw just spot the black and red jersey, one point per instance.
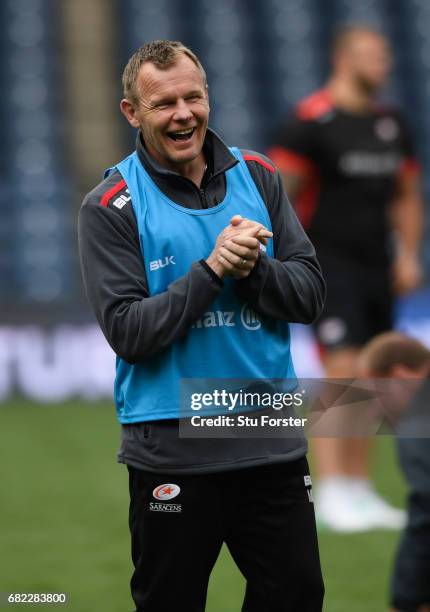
{"type": "Point", "coordinates": [351, 164]}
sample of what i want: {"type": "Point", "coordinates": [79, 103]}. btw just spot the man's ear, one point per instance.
{"type": "Point", "coordinates": [129, 112]}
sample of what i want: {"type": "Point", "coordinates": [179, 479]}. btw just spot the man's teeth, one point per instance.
{"type": "Point", "coordinates": [182, 134]}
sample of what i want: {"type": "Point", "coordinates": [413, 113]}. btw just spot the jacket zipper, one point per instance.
{"type": "Point", "coordinates": [203, 200]}
{"type": "Point", "coordinates": [202, 192]}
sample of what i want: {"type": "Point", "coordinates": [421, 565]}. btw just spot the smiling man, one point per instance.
{"type": "Point", "coordinates": [172, 113]}
{"type": "Point", "coordinates": [181, 231]}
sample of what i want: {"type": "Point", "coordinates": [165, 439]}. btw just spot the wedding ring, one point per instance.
{"type": "Point", "coordinates": [243, 263]}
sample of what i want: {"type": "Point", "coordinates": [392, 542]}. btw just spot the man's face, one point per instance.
{"type": "Point", "coordinates": [173, 111]}
{"type": "Point", "coordinates": [368, 59]}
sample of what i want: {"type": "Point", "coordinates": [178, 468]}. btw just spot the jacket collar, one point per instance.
{"type": "Point", "coordinates": [218, 158]}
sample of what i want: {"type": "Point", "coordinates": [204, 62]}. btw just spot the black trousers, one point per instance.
{"type": "Point", "coordinates": [410, 584]}
{"type": "Point", "coordinates": [265, 515]}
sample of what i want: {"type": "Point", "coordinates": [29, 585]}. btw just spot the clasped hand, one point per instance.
{"type": "Point", "coordinates": [237, 248]}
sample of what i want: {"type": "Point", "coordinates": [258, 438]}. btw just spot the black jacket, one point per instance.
{"type": "Point", "coordinates": [137, 326]}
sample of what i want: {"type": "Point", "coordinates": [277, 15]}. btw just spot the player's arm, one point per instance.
{"type": "Point", "coordinates": [406, 217]}
{"type": "Point", "coordinates": [293, 154]}
{"type": "Point", "coordinates": [135, 324]}
{"type": "Point", "coordinates": [293, 183]}
{"type": "Point", "coordinates": [290, 285]}
{"type": "Point", "coordinates": [296, 170]}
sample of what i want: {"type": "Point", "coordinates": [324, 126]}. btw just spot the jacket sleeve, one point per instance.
{"type": "Point", "coordinates": [135, 324]}
{"type": "Point", "coordinates": [290, 285]}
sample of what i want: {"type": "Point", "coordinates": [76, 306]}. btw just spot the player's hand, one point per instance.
{"type": "Point", "coordinates": [239, 254]}
{"type": "Point", "coordinates": [240, 222]}
{"type": "Point", "coordinates": [407, 273]}
{"type": "Point", "coordinates": [222, 266]}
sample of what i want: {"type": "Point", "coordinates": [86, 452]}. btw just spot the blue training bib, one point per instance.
{"type": "Point", "coordinates": [230, 340]}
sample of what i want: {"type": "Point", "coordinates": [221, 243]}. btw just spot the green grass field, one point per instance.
{"type": "Point", "coordinates": [63, 517]}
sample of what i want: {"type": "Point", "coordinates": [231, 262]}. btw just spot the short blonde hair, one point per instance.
{"type": "Point", "coordinates": [161, 53]}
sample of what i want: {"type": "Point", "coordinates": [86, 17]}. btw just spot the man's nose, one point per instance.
{"type": "Point", "coordinates": [182, 112]}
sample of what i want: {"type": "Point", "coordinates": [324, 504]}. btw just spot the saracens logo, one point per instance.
{"type": "Point", "coordinates": [387, 129]}
{"type": "Point", "coordinates": [166, 491]}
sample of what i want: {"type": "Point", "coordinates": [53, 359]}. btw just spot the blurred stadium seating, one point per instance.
{"type": "Point", "coordinates": [61, 126]}
{"type": "Point", "coordinates": [37, 242]}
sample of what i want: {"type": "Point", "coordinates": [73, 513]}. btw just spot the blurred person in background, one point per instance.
{"type": "Point", "coordinates": [170, 258]}
{"type": "Point", "coordinates": [350, 169]}
{"type": "Point", "coordinates": [393, 355]}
